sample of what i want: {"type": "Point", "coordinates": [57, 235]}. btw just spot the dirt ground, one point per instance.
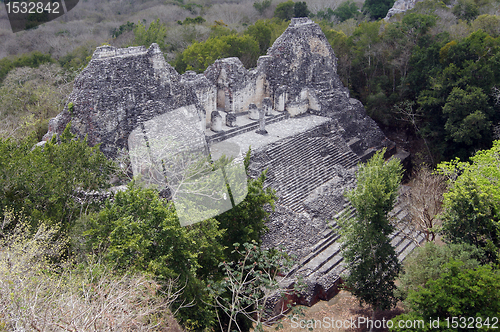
{"type": "Point", "coordinates": [341, 310]}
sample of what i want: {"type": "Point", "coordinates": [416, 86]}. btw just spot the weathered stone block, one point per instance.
{"type": "Point", "coordinates": [253, 112]}
{"type": "Point", "coordinates": [267, 105]}
{"type": "Point", "coordinates": [262, 122]}
{"type": "Point", "coordinates": [298, 107]}
{"type": "Point", "coordinates": [231, 120]}
{"type": "Point", "coordinates": [216, 121]}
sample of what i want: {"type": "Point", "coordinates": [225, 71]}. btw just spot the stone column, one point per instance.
{"type": "Point", "coordinates": [216, 121]}
{"type": "Point", "coordinates": [262, 122]}
{"type": "Point", "coordinates": [231, 120]}
{"type": "Point", "coordinates": [280, 98]}
{"type": "Point", "coordinates": [253, 112]}
{"type": "Point", "coordinates": [267, 105]}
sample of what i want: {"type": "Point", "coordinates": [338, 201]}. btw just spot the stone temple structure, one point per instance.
{"type": "Point", "coordinates": [292, 110]}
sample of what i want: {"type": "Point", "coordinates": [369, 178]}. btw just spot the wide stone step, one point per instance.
{"type": "Point", "coordinates": [320, 247]}
{"type": "Point", "coordinates": [300, 166]}
{"type": "Point", "coordinates": [221, 136]}
{"type": "Point", "coordinates": [326, 258]}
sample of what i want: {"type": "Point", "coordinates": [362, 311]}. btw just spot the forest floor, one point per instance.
{"type": "Point", "coordinates": [343, 308]}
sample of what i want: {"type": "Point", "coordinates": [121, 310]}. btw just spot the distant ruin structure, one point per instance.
{"type": "Point", "coordinates": [315, 134]}
{"type": "Point", "coordinates": [400, 6]}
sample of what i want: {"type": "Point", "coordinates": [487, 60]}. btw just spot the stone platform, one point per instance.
{"type": "Point", "coordinates": [310, 166]}
{"type": "Point", "coordinates": [288, 127]}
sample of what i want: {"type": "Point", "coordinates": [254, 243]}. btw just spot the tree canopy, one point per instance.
{"type": "Point", "coordinates": [472, 204]}
{"type": "Point", "coordinates": [42, 181]}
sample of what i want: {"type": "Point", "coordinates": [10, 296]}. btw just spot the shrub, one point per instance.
{"type": "Point", "coordinates": [426, 263]}
{"type": "Point", "coordinates": [36, 294]}
{"type": "Point", "coordinates": [346, 11]}
{"type": "Point", "coordinates": [44, 181]}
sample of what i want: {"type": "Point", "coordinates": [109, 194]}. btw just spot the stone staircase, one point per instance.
{"type": "Point", "coordinates": [324, 91]}
{"type": "Point", "coordinates": [325, 254]}
{"type": "Point", "coordinates": [303, 164]}
{"type": "Point", "coordinates": [322, 267]}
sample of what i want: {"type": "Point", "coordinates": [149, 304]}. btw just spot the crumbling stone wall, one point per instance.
{"type": "Point", "coordinates": [121, 88]}
{"type": "Point", "coordinates": [118, 90]}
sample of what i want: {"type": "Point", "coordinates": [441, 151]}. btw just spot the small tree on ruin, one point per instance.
{"type": "Point", "coordinates": [371, 261]}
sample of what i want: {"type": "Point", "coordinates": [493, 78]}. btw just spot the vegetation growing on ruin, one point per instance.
{"type": "Point", "coordinates": [372, 263]}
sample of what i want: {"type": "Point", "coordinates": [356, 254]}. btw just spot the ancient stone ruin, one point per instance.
{"type": "Point", "coordinates": [400, 6]}
{"type": "Point", "coordinates": [292, 110]}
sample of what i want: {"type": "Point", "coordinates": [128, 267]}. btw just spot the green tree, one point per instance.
{"type": "Point", "coordinates": [261, 31]}
{"type": "Point", "coordinates": [468, 115]}
{"type": "Point", "coordinates": [341, 47]}
{"type": "Point", "coordinates": [300, 9]}
{"type": "Point", "coordinates": [472, 205]}
{"type": "Point", "coordinates": [488, 23]}
{"type": "Point", "coordinates": [140, 232]}
{"type": "Point", "coordinates": [377, 8]}
{"type": "Point", "coordinates": [365, 49]}
{"type": "Point", "coordinates": [285, 10]}
{"type": "Point", "coordinates": [346, 10]}
{"type": "Point", "coordinates": [43, 181]}
{"type": "Point", "coordinates": [198, 56]}
{"type": "Point", "coordinates": [466, 10]}
{"type": "Point", "coordinates": [155, 33]}
{"type": "Point", "coordinates": [262, 6]}
{"type": "Point", "coordinates": [459, 298]}
{"type": "Point", "coordinates": [371, 260]}
{"type": "Point", "coordinates": [454, 99]}
{"type": "Point", "coordinates": [246, 221]}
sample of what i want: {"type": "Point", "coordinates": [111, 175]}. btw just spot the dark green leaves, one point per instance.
{"type": "Point", "coordinates": [44, 181]}
{"type": "Point", "coordinates": [371, 260]}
